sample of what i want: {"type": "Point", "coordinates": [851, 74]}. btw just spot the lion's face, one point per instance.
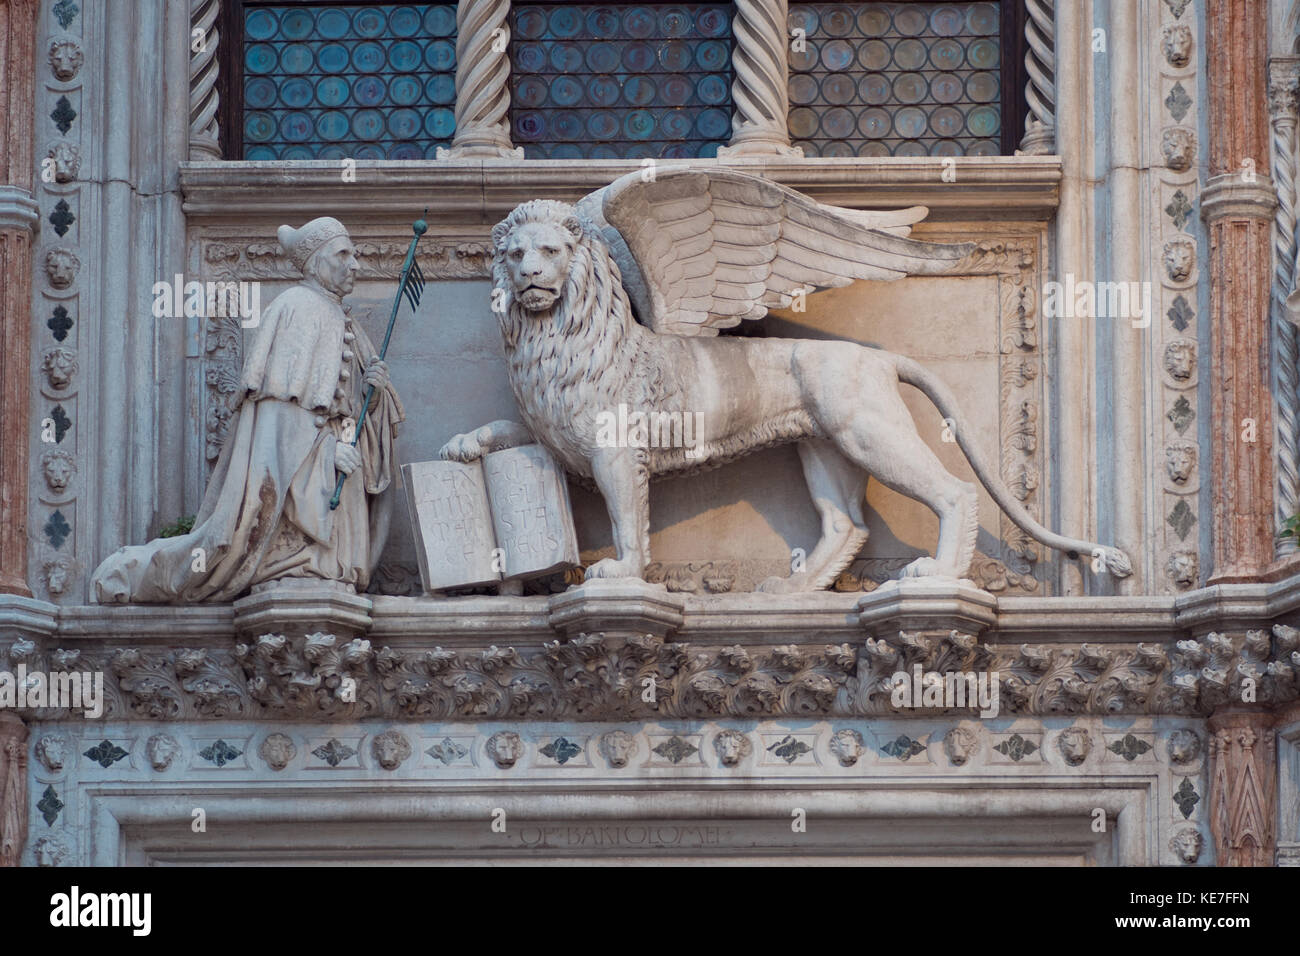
{"type": "Point", "coordinates": [538, 255]}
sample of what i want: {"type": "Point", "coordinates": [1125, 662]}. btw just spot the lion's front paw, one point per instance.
{"type": "Point", "coordinates": [794, 584]}
{"type": "Point", "coordinates": [465, 448]}
{"type": "Point", "coordinates": [928, 568]}
{"type": "Point", "coordinates": [614, 568]}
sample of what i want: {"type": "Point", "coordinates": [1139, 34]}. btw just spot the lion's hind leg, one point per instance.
{"type": "Point", "coordinates": [881, 438]}
{"type": "Point", "coordinates": [838, 490]}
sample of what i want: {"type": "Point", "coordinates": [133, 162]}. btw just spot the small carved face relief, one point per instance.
{"type": "Point", "coordinates": [65, 59]}
{"type": "Point", "coordinates": [505, 748]}
{"type": "Point", "coordinates": [1180, 462]}
{"type": "Point", "coordinates": [732, 747]}
{"type": "Point", "coordinates": [1184, 746]}
{"type": "Point", "coordinates": [50, 851]}
{"type": "Point", "coordinates": [59, 366]}
{"type": "Point", "coordinates": [277, 750]}
{"type": "Point", "coordinates": [390, 749]}
{"type": "Point", "coordinates": [1180, 360]}
{"type": "Point", "coordinates": [1187, 844]}
{"type": "Point", "coordinates": [1075, 743]}
{"type": "Point", "coordinates": [58, 467]}
{"type": "Point", "coordinates": [61, 267]}
{"type": "Point", "coordinates": [1183, 568]}
{"type": "Point", "coordinates": [618, 747]}
{"type": "Point", "coordinates": [56, 575]}
{"type": "Point", "coordinates": [537, 257]}
{"type": "Point", "coordinates": [1178, 259]}
{"type": "Point", "coordinates": [959, 743]}
{"type": "Point", "coordinates": [1177, 45]}
{"type": "Point", "coordinates": [161, 749]}
{"type": "Point", "coordinates": [51, 751]}
{"type": "Point", "coordinates": [1179, 147]}
{"type": "Point", "coordinates": [67, 162]}
{"type": "Point", "coordinates": [846, 745]}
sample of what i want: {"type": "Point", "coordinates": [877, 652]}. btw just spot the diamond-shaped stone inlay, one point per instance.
{"type": "Point", "coordinates": [1178, 102]}
{"type": "Point", "coordinates": [1181, 519]}
{"type": "Point", "coordinates": [57, 529]}
{"type": "Point", "coordinates": [1181, 314]}
{"type": "Point", "coordinates": [50, 805]}
{"type": "Point", "coordinates": [1176, 7]}
{"type": "Point", "coordinates": [59, 324]}
{"type": "Point", "coordinates": [1186, 797]}
{"type": "Point", "coordinates": [1016, 747]}
{"type": "Point", "coordinates": [219, 753]}
{"type": "Point", "coordinates": [333, 752]}
{"type": "Point", "coordinates": [1181, 415]}
{"type": "Point", "coordinates": [1129, 747]}
{"type": "Point", "coordinates": [65, 11]}
{"type": "Point", "coordinates": [447, 751]}
{"type": "Point", "coordinates": [63, 114]}
{"type": "Point", "coordinates": [903, 747]}
{"type": "Point", "coordinates": [62, 218]}
{"type": "Point", "coordinates": [676, 749]}
{"type": "Point", "coordinates": [561, 750]}
{"type": "Point", "coordinates": [61, 423]}
{"type": "Point", "coordinates": [789, 748]}
{"type": "Point", "coordinates": [1179, 209]}
{"type": "Point", "coordinates": [106, 753]}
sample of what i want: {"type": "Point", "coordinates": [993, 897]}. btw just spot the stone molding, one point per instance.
{"type": "Point", "coordinates": [18, 210]}
{"type": "Point", "coordinates": [485, 190]}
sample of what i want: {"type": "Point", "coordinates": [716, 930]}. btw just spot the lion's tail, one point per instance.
{"type": "Point", "coordinates": [1113, 560]}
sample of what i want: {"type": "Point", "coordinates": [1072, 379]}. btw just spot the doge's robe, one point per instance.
{"type": "Point", "coordinates": [266, 511]}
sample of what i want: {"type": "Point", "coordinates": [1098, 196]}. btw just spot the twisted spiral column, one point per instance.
{"type": "Point", "coordinates": [482, 75]}
{"type": "Point", "coordinates": [1040, 91]}
{"type": "Point", "coordinates": [1286, 373]}
{"type": "Point", "coordinates": [204, 132]}
{"type": "Point", "coordinates": [761, 64]}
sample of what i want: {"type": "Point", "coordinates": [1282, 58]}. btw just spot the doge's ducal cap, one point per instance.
{"type": "Point", "coordinates": [299, 244]}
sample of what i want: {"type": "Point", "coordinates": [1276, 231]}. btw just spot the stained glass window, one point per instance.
{"type": "Point", "coordinates": [368, 82]}
{"type": "Point", "coordinates": [895, 79]}
{"type": "Point", "coordinates": [620, 81]}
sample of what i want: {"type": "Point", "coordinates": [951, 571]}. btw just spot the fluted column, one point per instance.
{"type": "Point", "coordinates": [1282, 97]}
{"type": "Point", "coordinates": [1040, 92]}
{"type": "Point", "coordinates": [761, 64]}
{"type": "Point", "coordinates": [18, 215]}
{"type": "Point", "coordinates": [1237, 206]}
{"type": "Point", "coordinates": [13, 788]}
{"type": "Point", "coordinates": [1243, 789]}
{"type": "Point", "coordinates": [204, 133]}
{"type": "Point", "coordinates": [482, 78]}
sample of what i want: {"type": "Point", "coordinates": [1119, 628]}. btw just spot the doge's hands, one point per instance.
{"type": "Point", "coordinates": [376, 374]}
{"type": "Point", "coordinates": [467, 447]}
{"type": "Point", "coordinates": [346, 457]}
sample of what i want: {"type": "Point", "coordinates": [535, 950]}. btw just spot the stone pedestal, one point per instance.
{"type": "Point", "coordinates": [295, 607]}
{"type": "Point", "coordinates": [922, 604]}
{"type": "Point", "coordinates": [13, 788]}
{"type": "Point", "coordinates": [628, 607]}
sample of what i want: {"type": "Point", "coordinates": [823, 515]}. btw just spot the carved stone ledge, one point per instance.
{"type": "Point", "coordinates": [297, 606]}
{"type": "Point", "coordinates": [1229, 196]}
{"type": "Point", "coordinates": [485, 190]}
{"type": "Point", "coordinates": [927, 605]}
{"type": "Point", "coordinates": [24, 617]}
{"type": "Point", "coordinates": [633, 607]}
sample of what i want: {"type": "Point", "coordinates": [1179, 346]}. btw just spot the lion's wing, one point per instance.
{"type": "Point", "coordinates": [702, 250]}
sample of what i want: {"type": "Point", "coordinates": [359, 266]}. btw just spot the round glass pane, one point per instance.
{"type": "Point", "coordinates": [369, 90]}
{"type": "Point", "coordinates": [712, 89]}
{"type": "Point", "coordinates": [909, 87]}
{"type": "Point", "coordinates": [369, 22]}
{"type": "Point", "coordinates": [947, 21]}
{"type": "Point", "coordinates": [874, 89]}
{"type": "Point", "coordinates": [259, 93]}
{"type": "Point", "coordinates": [260, 58]}
{"type": "Point", "coordinates": [837, 21]}
{"type": "Point", "coordinates": [603, 91]}
{"type": "Point", "coordinates": [440, 21]}
{"type": "Point", "coordinates": [530, 23]}
{"type": "Point", "coordinates": [332, 125]}
{"type": "Point", "coordinates": [874, 55]}
{"type": "Point", "coordinates": [802, 89]}
{"type": "Point", "coordinates": [982, 87]}
{"type": "Point", "coordinates": [368, 57]}
{"type": "Point", "coordinates": [910, 122]}
{"type": "Point", "coordinates": [873, 22]}
{"type": "Point", "coordinates": [440, 88]}
{"type": "Point", "coordinates": [367, 124]}
{"type": "Point", "coordinates": [440, 123]}
{"type": "Point", "coordinates": [713, 123]}
{"type": "Point", "coordinates": [440, 55]}
{"type": "Point", "coordinates": [296, 92]}
{"type": "Point", "coordinates": [638, 90]}
{"type": "Point", "coordinates": [803, 122]}
{"type": "Point", "coordinates": [296, 24]}
{"type": "Point", "coordinates": [946, 87]}
{"type": "Point", "coordinates": [332, 91]}
{"type": "Point", "coordinates": [947, 54]}
{"type": "Point", "coordinates": [984, 121]}
{"type": "Point", "coordinates": [675, 55]}
{"type": "Point", "coordinates": [947, 121]}
{"type": "Point", "coordinates": [296, 127]}
{"type": "Point", "coordinates": [639, 124]}
{"type": "Point", "coordinates": [983, 54]}
{"type": "Point", "coordinates": [675, 90]}
{"type": "Point", "coordinates": [260, 25]}
{"type": "Point", "coordinates": [258, 127]}
{"type": "Point", "coordinates": [909, 55]}
{"type": "Point", "coordinates": [874, 123]}
{"type": "Point", "coordinates": [566, 57]}
{"type": "Point", "coordinates": [405, 90]}
{"type": "Point", "coordinates": [404, 21]}
{"type": "Point", "coordinates": [839, 88]}
{"type": "Point", "coordinates": [333, 24]}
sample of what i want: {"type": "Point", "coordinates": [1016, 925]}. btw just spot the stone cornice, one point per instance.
{"type": "Point", "coordinates": [468, 191]}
